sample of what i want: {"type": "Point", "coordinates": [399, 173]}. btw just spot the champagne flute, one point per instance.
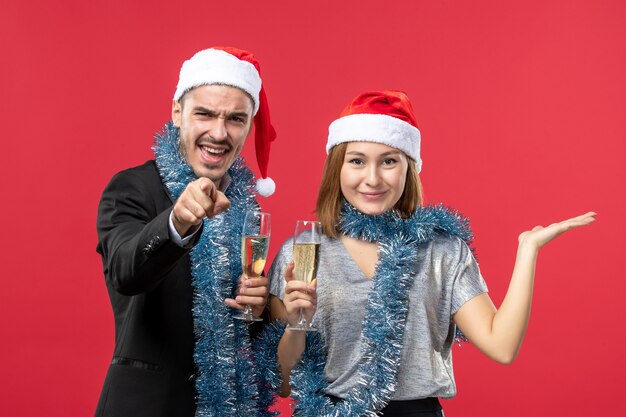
{"type": "Point", "coordinates": [255, 242]}
{"type": "Point", "coordinates": [306, 255]}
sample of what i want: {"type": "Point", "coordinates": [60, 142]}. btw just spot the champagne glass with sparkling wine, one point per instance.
{"type": "Point", "coordinates": [255, 241]}
{"type": "Point", "coordinates": [306, 255]}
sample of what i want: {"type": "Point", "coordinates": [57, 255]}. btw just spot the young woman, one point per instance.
{"type": "Point", "coordinates": [395, 279]}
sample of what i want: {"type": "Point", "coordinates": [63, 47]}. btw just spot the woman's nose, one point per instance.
{"type": "Point", "coordinates": [373, 176]}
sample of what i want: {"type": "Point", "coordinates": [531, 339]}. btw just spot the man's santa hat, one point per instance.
{"type": "Point", "coordinates": [378, 116]}
{"type": "Point", "coordinates": [237, 68]}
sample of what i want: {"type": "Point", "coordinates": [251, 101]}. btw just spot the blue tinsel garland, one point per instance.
{"type": "Point", "coordinates": [227, 379]}
{"type": "Point", "coordinates": [385, 318]}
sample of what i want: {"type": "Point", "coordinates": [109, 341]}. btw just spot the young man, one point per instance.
{"type": "Point", "coordinates": [169, 236]}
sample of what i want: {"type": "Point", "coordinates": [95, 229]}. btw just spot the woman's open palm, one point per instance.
{"type": "Point", "coordinates": [539, 235]}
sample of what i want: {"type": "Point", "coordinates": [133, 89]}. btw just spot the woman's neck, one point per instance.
{"type": "Point", "coordinates": [364, 254]}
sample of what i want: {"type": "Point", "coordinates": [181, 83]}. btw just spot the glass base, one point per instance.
{"type": "Point", "coordinates": [247, 317]}
{"type": "Point", "coordinates": [302, 327]}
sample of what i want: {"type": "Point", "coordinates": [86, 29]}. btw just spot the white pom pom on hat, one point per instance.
{"type": "Point", "coordinates": [237, 68]}
{"type": "Point", "coordinates": [378, 116]}
{"type": "Point", "coordinates": [265, 186]}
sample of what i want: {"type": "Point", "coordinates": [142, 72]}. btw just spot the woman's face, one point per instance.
{"type": "Point", "coordinates": [373, 176]}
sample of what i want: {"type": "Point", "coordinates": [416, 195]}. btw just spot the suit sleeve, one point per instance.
{"type": "Point", "coordinates": [133, 232]}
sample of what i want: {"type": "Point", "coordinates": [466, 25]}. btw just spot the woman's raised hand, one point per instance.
{"type": "Point", "coordinates": [539, 235]}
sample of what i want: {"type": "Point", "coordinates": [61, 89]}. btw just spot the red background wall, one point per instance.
{"type": "Point", "coordinates": [521, 108]}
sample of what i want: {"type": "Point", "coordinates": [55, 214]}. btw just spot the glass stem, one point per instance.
{"type": "Point", "coordinates": [301, 320]}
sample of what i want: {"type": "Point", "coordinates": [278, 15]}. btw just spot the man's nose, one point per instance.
{"type": "Point", "coordinates": [218, 129]}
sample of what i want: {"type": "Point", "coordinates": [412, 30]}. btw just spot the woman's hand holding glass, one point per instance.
{"type": "Point", "coordinates": [300, 299]}
{"type": "Point", "coordinates": [307, 239]}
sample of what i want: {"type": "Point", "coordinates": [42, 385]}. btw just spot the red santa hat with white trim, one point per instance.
{"type": "Point", "coordinates": [378, 116]}
{"type": "Point", "coordinates": [237, 68]}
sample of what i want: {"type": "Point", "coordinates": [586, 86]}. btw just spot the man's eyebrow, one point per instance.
{"type": "Point", "coordinates": [203, 109]}
{"type": "Point", "coordinates": [241, 114]}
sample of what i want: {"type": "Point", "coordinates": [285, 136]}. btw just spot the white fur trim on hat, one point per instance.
{"type": "Point", "coordinates": [214, 66]}
{"type": "Point", "coordinates": [379, 128]}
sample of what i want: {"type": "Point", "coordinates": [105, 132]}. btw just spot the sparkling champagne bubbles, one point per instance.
{"type": "Point", "coordinates": [306, 256]}
{"type": "Point", "coordinates": [255, 241]}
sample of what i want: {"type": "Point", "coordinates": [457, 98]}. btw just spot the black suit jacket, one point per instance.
{"type": "Point", "coordinates": [148, 278]}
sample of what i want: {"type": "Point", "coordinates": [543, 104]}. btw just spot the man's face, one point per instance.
{"type": "Point", "coordinates": [214, 121]}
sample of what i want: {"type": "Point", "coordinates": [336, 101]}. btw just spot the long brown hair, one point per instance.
{"type": "Point", "coordinates": [330, 198]}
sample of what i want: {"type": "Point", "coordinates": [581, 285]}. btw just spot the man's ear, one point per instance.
{"type": "Point", "coordinates": [177, 111]}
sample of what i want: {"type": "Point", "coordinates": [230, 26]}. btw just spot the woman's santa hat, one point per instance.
{"type": "Point", "coordinates": [237, 68]}
{"type": "Point", "coordinates": [378, 116]}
